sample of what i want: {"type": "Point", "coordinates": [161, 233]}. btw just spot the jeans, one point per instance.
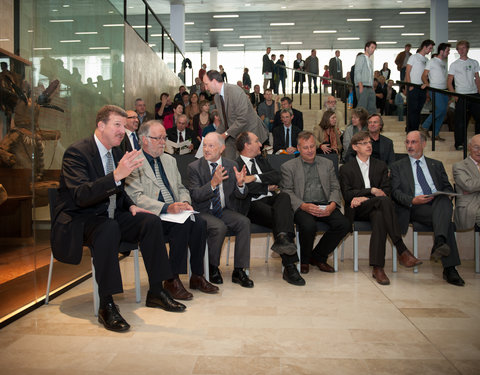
{"type": "Point", "coordinates": [440, 110]}
{"type": "Point", "coordinates": [415, 101]}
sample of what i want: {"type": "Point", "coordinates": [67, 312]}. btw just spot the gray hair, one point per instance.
{"type": "Point", "coordinates": [219, 137]}
{"type": "Point", "coordinates": [144, 130]}
{"type": "Point", "coordinates": [286, 110]}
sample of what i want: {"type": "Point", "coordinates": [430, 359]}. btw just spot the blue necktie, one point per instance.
{"type": "Point", "coordinates": [216, 201]}
{"type": "Point", "coordinates": [422, 180]}
{"type": "Point", "coordinates": [135, 141]}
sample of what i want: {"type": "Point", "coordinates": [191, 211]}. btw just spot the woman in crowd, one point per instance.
{"type": "Point", "coordinates": [358, 123]}
{"type": "Point", "coordinates": [385, 71]}
{"type": "Point", "coordinates": [327, 134]}
{"type": "Point", "coordinates": [325, 82]}
{"type": "Point", "coordinates": [299, 78]}
{"type": "Point", "coordinates": [170, 120]}
{"type": "Point", "coordinates": [193, 108]}
{"type": "Point", "coordinates": [202, 119]}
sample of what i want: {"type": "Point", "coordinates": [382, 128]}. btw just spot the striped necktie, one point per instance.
{"type": "Point", "coordinates": [216, 201]}
{"type": "Point", "coordinates": [135, 141]}
{"type": "Point", "coordinates": [167, 197]}
{"type": "Point", "coordinates": [422, 180]}
{"type": "Point", "coordinates": [113, 198]}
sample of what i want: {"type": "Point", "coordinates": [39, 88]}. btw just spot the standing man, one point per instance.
{"type": "Point", "coordinates": [435, 75]}
{"type": "Point", "coordinates": [416, 96]}
{"type": "Point", "coordinates": [267, 69]}
{"type": "Point", "coordinates": [215, 186]}
{"type": "Point", "coordinates": [130, 140]}
{"type": "Point", "coordinates": [335, 68]}
{"type": "Point", "coordinates": [285, 136]}
{"type": "Point", "coordinates": [236, 113]}
{"type": "Point", "coordinates": [402, 59]}
{"type": "Point", "coordinates": [467, 81]}
{"type": "Point", "coordinates": [414, 180]}
{"type": "Point", "coordinates": [157, 187]}
{"type": "Point", "coordinates": [314, 191]}
{"type": "Point", "coordinates": [311, 66]}
{"type": "Point", "coordinates": [93, 209]}
{"type": "Point", "coordinates": [366, 188]}
{"type": "Point", "coordinates": [364, 78]}
{"type": "Point", "coordinates": [282, 74]}
{"type": "Point", "coordinates": [143, 114]}
{"type": "Point", "coordinates": [264, 206]}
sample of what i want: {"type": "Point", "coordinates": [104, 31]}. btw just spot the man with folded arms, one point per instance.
{"type": "Point", "coordinates": [92, 208]}
{"type": "Point", "coordinates": [414, 180]}
{"type": "Point", "coordinates": [366, 187]}
{"type": "Point", "coordinates": [156, 186]}
{"type": "Point", "coordinates": [264, 206]}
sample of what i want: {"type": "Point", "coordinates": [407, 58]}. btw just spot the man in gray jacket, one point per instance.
{"type": "Point", "coordinates": [364, 78]}
{"type": "Point", "coordinates": [311, 66]}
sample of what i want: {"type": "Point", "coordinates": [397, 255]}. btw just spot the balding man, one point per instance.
{"type": "Point", "coordinates": [330, 104]}
{"type": "Point", "coordinates": [130, 140]}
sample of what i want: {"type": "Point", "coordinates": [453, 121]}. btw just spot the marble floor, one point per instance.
{"type": "Point", "coordinates": [342, 323]}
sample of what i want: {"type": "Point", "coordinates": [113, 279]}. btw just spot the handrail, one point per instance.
{"type": "Point", "coordinates": [449, 93]}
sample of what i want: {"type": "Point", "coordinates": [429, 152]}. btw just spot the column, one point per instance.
{"type": "Point", "coordinates": [177, 25]}
{"type": "Point", "coordinates": [213, 58]}
{"type": "Point", "coordinates": [439, 21]}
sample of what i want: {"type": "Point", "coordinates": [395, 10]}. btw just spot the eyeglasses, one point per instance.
{"type": "Point", "coordinates": [475, 148]}
{"type": "Point", "coordinates": [157, 138]}
{"type": "Point", "coordinates": [364, 143]}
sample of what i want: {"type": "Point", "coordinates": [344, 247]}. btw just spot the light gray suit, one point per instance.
{"type": "Point", "coordinates": [467, 181]}
{"type": "Point", "coordinates": [241, 117]}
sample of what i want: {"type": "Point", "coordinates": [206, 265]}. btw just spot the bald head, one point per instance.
{"type": "Point", "coordinates": [474, 148]}
{"type": "Point", "coordinates": [132, 121]}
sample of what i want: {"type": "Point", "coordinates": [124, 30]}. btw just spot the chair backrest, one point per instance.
{"type": "Point", "coordinates": [182, 164]}
{"type": "Point", "coordinates": [334, 158]}
{"type": "Point", "coordinates": [52, 199]}
{"type": "Point", "coordinates": [276, 161]}
{"type": "Point", "coordinates": [400, 156]}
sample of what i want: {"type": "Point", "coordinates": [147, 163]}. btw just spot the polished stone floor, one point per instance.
{"type": "Point", "coordinates": [342, 323]}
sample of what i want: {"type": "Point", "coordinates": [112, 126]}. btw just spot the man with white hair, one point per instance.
{"type": "Point", "coordinates": [330, 104]}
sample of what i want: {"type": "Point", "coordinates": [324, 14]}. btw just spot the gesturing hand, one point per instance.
{"type": "Point", "coordinates": [127, 164]}
{"type": "Point", "coordinates": [219, 175]}
{"type": "Point", "coordinates": [240, 176]}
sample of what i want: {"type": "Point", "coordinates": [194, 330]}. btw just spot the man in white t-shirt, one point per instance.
{"type": "Point", "coordinates": [435, 75]}
{"type": "Point", "coordinates": [467, 81]}
{"type": "Point", "coordinates": [416, 97]}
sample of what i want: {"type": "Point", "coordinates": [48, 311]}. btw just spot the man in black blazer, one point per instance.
{"type": "Point", "coordinates": [181, 133]}
{"type": "Point", "coordinates": [216, 185]}
{"type": "Point", "coordinates": [286, 103]}
{"type": "Point", "coordinates": [366, 188]}
{"type": "Point", "coordinates": [256, 97]}
{"type": "Point", "coordinates": [382, 147]}
{"type": "Point", "coordinates": [414, 179]}
{"type": "Point", "coordinates": [285, 137]}
{"type": "Point", "coordinates": [264, 206]}
{"type": "Point", "coordinates": [130, 140]}
{"type": "Point", "coordinates": [93, 209]}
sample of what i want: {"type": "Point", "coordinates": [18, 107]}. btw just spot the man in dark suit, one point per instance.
{"type": "Point", "coordinates": [382, 147]}
{"type": "Point", "coordinates": [130, 140]}
{"type": "Point", "coordinates": [315, 195]}
{"type": "Point", "coordinates": [236, 114]}
{"type": "Point", "coordinates": [215, 186]}
{"type": "Point", "coordinates": [181, 133]}
{"type": "Point", "coordinates": [285, 137]}
{"type": "Point", "coordinates": [256, 97]}
{"type": "Point", "coordinates": [366, 188]}
{"type": "Point", "coordinates": [93, 209]}
{"type": "Point", "coordinates": [414, 179]}
{"type": "Point", "coordinates": [267, 68]}
{"type": "Point", "coordinates": [335, 69]}
{"type": "Point", "coordinates": [264, 206]}
{"type": "Point", "coordinates": [286, 103]}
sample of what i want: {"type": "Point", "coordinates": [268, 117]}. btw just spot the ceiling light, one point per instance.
{"type": "Point", "coordinates": [351, 6]}
{"type": "Point", "coordinates": [130, 7]}
{"type": "Point", "coordinates": [30, 31]}
{"type": "Point", "coordinates": [142, 26]}
{"type": "Point", "coordinates": [399, 1]}
{"type": "Point", "coordinates": [460, 21]}
{"type": "Point", "coordinates": [283, 7]}
{"type": "Point", "coordinates": [99, 48]}
{"type": "Point", "coordinates": [225, 16]}
{"type": "Point", "coordinates": [156, 34]}
{"type": "Point", "coordinates": [110, 11]}
{"type": "Point", "coordinates": [412, 34]}
{"type": "Point", "coordinates": [54, 10]}
{"type": "Point", "coordinates": [113, 25]}
{"type": "Point", "coordinates": [70, 41]}
{"type": "Point", "coordinates": [349, 38]}
{"type": "Point", "coordinates": [234, 45]}
{"type": "Point", "coordinates": [359, 19]}
{"type": "Point", "coordinates": [247, 4]}
{"type": "Point", "coordinates": [452, 41]}
{"type": "Point", "coordinates": [86, 32]}
{"type": "Point", "coordinates": [42, 48]}
{"type": "Point", "coordinates": [291, 43]}
{"type": "Point", "coordinates": [414, 12]}
{"type": "Point", "coordinates": [282, 24]}
{"type": "Point", "coordinates": [250, 36]}
{"type": "Point", "coordinates": [4, 39]}
{"type": "Point", "coordinates": [189, 23]}
{"type": "Point", "coordinates": [228, 29]}
{"type": "Point", "coordinates": [193, 41]}
{"type": "Point", "coordinates": [66, 5]}
{"type": "Point", "coordinates": [324, 31]}
{"type": "Point", "coordinates": [392, 26]}
{"type": "Point", "coordinates": [59, 21]}
{"type": "Point", "coordinates": [387, 42]}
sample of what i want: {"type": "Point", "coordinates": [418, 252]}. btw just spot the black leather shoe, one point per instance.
{"type": "Point", "coordinates": [111, 319]}
{"type": "Point", "coordinates": [215, 275]}
{"type": "Point", "coordinates": [164, 301]}
{"type": "Point", "coordinates": [240, 277]}
{"type": "Point", "coordinates": [450, 274]}
{"type": "Point", "coordinates": [292, 276]}
{"type": "Point", "coordinates": [283, 245]}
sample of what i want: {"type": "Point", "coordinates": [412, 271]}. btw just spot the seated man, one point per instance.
{"type": "Point", "coordinates": [141, 111]}
{"type": "Point", "coordinates": [285, 137]}
{"type": "Point", "coordinates": [366, 186]}
{"type": "Point", "coordinates": [314, 191]}
{"type": "Point", "coordinates": [181, 133]}
{"type": "Point", "coordinates": [330, 104]}
{"type": "Point", "coordinates": [266, 109]}
{"type": "Point", "coordinates": [156, 186]}
{"type": "Point", "coordinates": [414, 179]}
{"type": "Point", "coordinates": [164, 107]}
{"type": "Point", "coordinates": [286, 103]}
{"type": "Point", "coordinates": [256, 97]}
{"type": "Point", "coordinates": [382, 147]}
{"type": "Point", "coordinates": [467, 180]}
{"type": "Point", "coordinates": [264, 206]}
{"type": "Point", "coordinates": [93, 209]}
{"type": "Point", "coordinates": [130, 140]}
{"type": "Point", "coordinates": [215, 185]}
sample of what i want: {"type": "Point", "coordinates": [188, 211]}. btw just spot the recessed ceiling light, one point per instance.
{"type": "Point", "coordinates": [141, 26]}
{"type": "Point", "coordinates": [351, 6]}
{"type": "Point", "coordinates": [54, 10]}
{"type": "Point", "coordinates": [349, 38]}
{"type": "Point", "coordinates": [60, 21]}
{"type": "Point", "coordinates": [130, 7]}
{"type": "Point", "coordinates": [387, 42]}
{"type": "Point", "coordinates": [224, 29]}
{"type": "Point", "coordinates": [42, 48]}
{"type": "Point", "coordinates": [359, 19]}
{"type": "Point", "coordinates": [250, 36]}
{"type": "Point", "coordinates": [110, 11]}
{"type": "Point", "coordinates": [193, 41]}
{"type": "Point", "coordinates": [399, 1]}
{"type": "Point", "coordinates": [283, 7]}
{"type": "Point", "coordinates": [234, 45]}
{"type": "Point", "coordinates": [392, 26]}
{"type": "Point", "coordinates": [190, 23]}
{"type": "Point", "coordinates": [86, 32]}
{"type": "Point", "coordinates": [225, 16]}
{"type": "Point", "coordinates": [452, 40]}
{"type": "Point", "coordinates": [282, 24]}
{"type": "Point", "coordinates": [66, 5]}
{"type": "Point", "coordinates": [70, 41]}
{"type": "Point", "coordinates": [460, 21]}
{"type": "Point", "coordinates": [324, 31]}
{"type": "Point", "coordinates": [156, 35]}
{"type": "Point", "coordinates": [113, 25]}
{"type": "Point", "coordinates": [291, 43]}
{"type": "Point", "coordinates": [413, 34]}
{"type": "Point", "coordinates": [30, 31]}
{"type": "Point", "coordinates": [414, 12]}
{"type": "Point", "coordinates": [99, 48]}
{"type": "Point", "coordinates": [247, 4]}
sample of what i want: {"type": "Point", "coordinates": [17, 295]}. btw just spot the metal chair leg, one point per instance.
{"type": "Point", "coordinates": [49, 281]}
{"type": "Point", "coordinates": [335, 259]}
{"type": "Point", "coordinates": [415, 249]}
{"type": "Point", "coordinates": [96, 298]}
{"type": "Point", "coordinates": [228, 250]}
{"type": "Point", "coordinates": [136, 269]}
{"type": "Point", "coordinates": [268, 248]}
{"type": "Point", "coordinates": [477, 252]}
{"type": "Point", "coordinates": [206, 263]}
{"type": "Point", "coordinates": [355, 251]}
{"type": "Point", "coordinates": [394, 258]}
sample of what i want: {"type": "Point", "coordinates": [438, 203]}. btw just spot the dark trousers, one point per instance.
{"type": "Point", "coordinates": [415, 101]}
{"type": "Point", "coordinates": [191, 234]}
{"type": "Point", "coordinates": [282, 81]}
{"type": "Point", "coordinates": [403, 71]}
{"type": "Point", "coordinates": [380, 211]}
{"type": "Point", "coordinates": [438, 214]}
{"type": "Point", "coordinates": [297, 83]}
{"type": "Point", "coordinates": [314, 79]}
{"type": "Point", "coordinates": [461, 118]}
{"type": "Point", "coordinates": [103, 235]}
{"type": "Point", "coordinates": [275, 212]}
{"type": "Point", "coordinates": [307, 229]}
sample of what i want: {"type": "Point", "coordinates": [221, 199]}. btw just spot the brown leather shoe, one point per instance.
{"type": "Point", "coordinates": [407, 259]}
{"type": "Point", "coordinates": [324, 267]}
{"type": "Point", "coordinates": [199, 282]}
{"type": "Point", "coordinates": [177, 290]}
{"type": "Point", "coordinates": [304, 268]}
{"type": "Point", "coordinates": [379, 275]}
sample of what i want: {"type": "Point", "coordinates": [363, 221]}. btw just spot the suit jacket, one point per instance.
{"type": "Point", "coordinates": [332, 68]}
{"type": "Point", "coordinates": [293, 181]}
{"type": "Point", "coordinates": [260, 97]}
{"type": "Point", "coordinates": [84, 192]}
{"type": "Point", "coordinates": [403, 186]}
{"type": "Point", "coordinates": [296, 121]}
{"type": "Point", "coordinates": [147, 117]}
{"type": "Point", "coordinates": [199, 178]}
{"type": "Point", "coordinates": [126, 145]}
{"type": "Point", "coordinates": [352, 184]}
{"type": "Point", "coordinates": [267, 64]}
{"type": "Point", "coordinates": [467, 183]}
{"type": "Point", "coordinates": [279, 137]}
{"type": "Point", "coordinates": [269, 176]}
{"type": "Point", "coordinates": [189, 134]}
{"type": "Point", "coordinates": [143, 187]}
{"type": "Point", "coordinates": [386, 151]}
{"type": "Point", "coordinates": [298, 77]}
